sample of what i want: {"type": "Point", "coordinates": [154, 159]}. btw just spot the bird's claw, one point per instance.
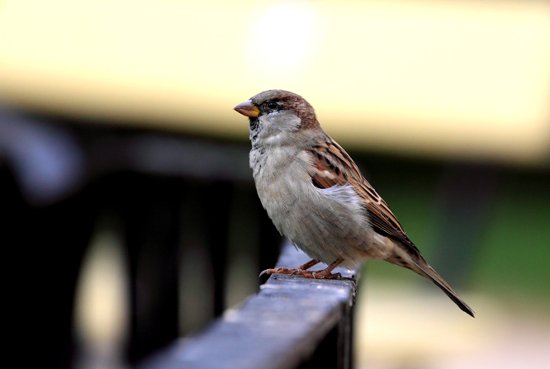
{"type": "Point", "coordinates": [271, 271]}
{"type": "Point", "coordinates": [321, 274]}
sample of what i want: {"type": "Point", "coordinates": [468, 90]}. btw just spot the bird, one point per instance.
{"type": "Point", "coordinates": [317, 198]}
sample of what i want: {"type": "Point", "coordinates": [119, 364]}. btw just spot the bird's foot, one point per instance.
{"type": "Point", "coordinates": [321, 274]}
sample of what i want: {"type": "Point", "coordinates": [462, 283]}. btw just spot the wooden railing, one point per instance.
{"type": "Point", "coordinates": [291, 322]}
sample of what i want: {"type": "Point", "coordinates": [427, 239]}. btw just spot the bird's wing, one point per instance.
{"type": "Point", "coordinates": [332, 166]}
{"type": "Point", "coordinates": [329, 160]}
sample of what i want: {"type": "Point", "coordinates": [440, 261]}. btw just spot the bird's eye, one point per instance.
{"type": "Point", "coordinates": [272, 105]}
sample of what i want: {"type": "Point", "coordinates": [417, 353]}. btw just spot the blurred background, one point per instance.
{"type": "Point", "coordinates": [128, 213]}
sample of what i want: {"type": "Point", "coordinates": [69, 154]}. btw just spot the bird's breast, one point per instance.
{"type": "Point", "coordinates": [280, 176]}
{"type": "Point", "coordinates": [325, 223]}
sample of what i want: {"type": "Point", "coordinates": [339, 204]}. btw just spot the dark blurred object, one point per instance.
{"type": "Point", "coordinates": [46, 160]}
{"type": "Point", "coordinates": [57, 179]}
{"type": "Point", "coordinates": [45, 227]}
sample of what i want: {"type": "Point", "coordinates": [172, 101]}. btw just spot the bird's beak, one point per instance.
{"type": "Point", "coordinates": [248, 109]}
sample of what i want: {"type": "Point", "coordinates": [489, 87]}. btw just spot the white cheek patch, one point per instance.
{"type": "Point", "coordinates": [278, 127]}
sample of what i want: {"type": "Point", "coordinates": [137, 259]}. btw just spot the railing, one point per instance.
{"type": "Point", "coordinates": [291, 323]}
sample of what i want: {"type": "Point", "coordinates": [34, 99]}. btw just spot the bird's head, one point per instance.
{"type": "Point", "coordinates": [276, 115]}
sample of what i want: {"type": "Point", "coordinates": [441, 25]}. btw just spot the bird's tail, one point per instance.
{"type": "Point", "coordinates": [430, 272]}
{"type": "Point", "coordinates": [421, 266]}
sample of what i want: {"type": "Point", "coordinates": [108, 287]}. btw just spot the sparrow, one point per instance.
{"type": "Point", "coordinates": [318, 199]}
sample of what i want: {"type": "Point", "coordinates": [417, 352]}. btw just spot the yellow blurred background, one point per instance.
{"type": "Point", "coordinates": [446, 78]}
{"type": "Point", "coordinates": [436, 80]}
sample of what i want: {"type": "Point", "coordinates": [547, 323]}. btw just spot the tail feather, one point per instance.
{"type": "Point", "coordinates": [427, 271]}
{"type": "Point", "coordinates": [417, 264]}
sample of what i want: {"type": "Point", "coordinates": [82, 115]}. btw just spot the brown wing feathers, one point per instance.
{"type": "Point", "coordinates": [328, 159]}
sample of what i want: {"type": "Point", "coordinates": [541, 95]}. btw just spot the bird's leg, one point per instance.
{"type": "Point", "coordinates": [309, 264]}
{"type": "Point", "coordinates": [324, 273]}
{"type": "Point", "coordinates": [302, 270]}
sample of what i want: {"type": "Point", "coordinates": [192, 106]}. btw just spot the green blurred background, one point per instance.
{"type": "Point", "coordinates": [513, 246]}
